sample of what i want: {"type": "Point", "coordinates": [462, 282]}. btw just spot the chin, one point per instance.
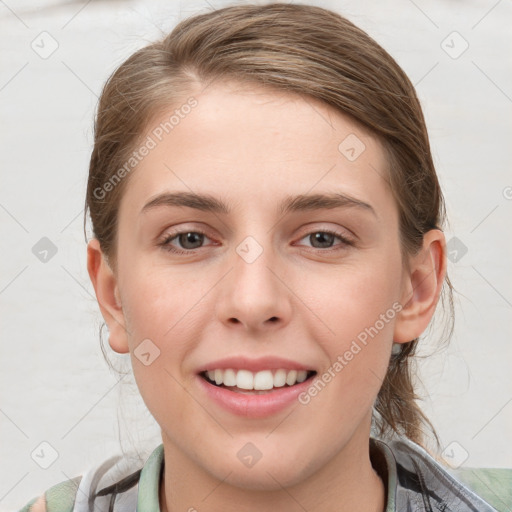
{"type": "Point", "coordinates": [270, 475]}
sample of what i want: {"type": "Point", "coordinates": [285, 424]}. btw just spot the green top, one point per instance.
{"type": "Point", "coordinates": [492, 485]}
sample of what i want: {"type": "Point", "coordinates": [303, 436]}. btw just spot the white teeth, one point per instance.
{"type": "Point", "coordinates": [262, 380]}
{"type": "Point", "coordinates": [291, 378]}
{"type": "Point", "coordinates": [244, 379]}
{"type": "Point", "coordinates": [280, 378]}
{"type": "Point", "coordinates": [229, 377]}
{"type": "Point", "coordinates": [301, 375]}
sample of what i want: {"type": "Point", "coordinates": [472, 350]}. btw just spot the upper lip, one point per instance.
{"type": "Point", "coordinates": [254, 365]}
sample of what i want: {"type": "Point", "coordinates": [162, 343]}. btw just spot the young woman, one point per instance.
{"type": "Point", "coordinates": [268, 248]}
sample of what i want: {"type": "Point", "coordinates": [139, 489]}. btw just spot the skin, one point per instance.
{"type": "Point", "coordinates": [251, 147]}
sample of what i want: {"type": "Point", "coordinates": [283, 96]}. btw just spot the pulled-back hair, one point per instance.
{"type": "Point", "coordinates": [299, 49]}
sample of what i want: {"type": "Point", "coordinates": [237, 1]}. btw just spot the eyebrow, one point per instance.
{"type": "Point", "coordinates": [300, 203]}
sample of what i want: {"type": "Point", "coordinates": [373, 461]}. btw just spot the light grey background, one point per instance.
{"type": "Point", "coordinates": [56, 387]}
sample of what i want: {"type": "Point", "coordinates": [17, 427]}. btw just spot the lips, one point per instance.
{"type": "Point", "coordinates": [254, 388]}
{"type": "Point", "coordinates": [254, 365]}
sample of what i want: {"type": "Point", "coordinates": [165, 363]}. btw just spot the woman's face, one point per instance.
{"type": "Point", "coordinates": [300, 268]}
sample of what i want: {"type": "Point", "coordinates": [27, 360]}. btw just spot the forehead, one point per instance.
{"type": "Point", "coordinates": [257, 143]}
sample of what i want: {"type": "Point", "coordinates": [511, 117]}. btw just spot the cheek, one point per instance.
{"type": "Point", "coordinates": [356, 335]}
{"type": "Point", "coordinates": [159, 314]}
{"type": "Point", "coordinates": [354, 312]}
{"type": "Point", "coordinates": [158, 302]}
{"type": "Point", "coordinates": [352, 299]}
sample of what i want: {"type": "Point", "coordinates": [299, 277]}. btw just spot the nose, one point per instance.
{"type": "Point", "coordinates": [255, 294]}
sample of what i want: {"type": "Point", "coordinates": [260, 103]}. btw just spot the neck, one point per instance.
{"type": "Point", "coordinates": [347, 482]}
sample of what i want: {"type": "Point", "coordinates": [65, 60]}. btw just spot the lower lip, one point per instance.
{"type": "Point", "coordinates": [254, 406]}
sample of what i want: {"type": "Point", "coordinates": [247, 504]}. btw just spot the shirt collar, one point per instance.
{"type": "Point", "coordinates": [148, 496]}
{"type": "Point", "coordinates": [384, 463]}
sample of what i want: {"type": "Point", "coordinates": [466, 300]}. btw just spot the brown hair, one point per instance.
{"type": "Point", "coordinates": [300, 49]}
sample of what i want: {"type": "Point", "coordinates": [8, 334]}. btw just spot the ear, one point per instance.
{"type": "Point", "coordinates": [107, 294]}
{"type": "Point", "coordinates": [421, 287]}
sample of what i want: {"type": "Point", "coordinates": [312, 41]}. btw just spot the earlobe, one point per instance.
{"type": "Point", "coordinates": [107, 293]}
{"type": "Point", "coordinates": [422, 287]}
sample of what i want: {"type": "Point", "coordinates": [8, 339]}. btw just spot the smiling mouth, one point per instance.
{"type": "Point", "coordinates": [246, 382]}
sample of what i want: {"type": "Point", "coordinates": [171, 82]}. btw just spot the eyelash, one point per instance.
{"type": "Point", "coordinates": [165, 243]}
